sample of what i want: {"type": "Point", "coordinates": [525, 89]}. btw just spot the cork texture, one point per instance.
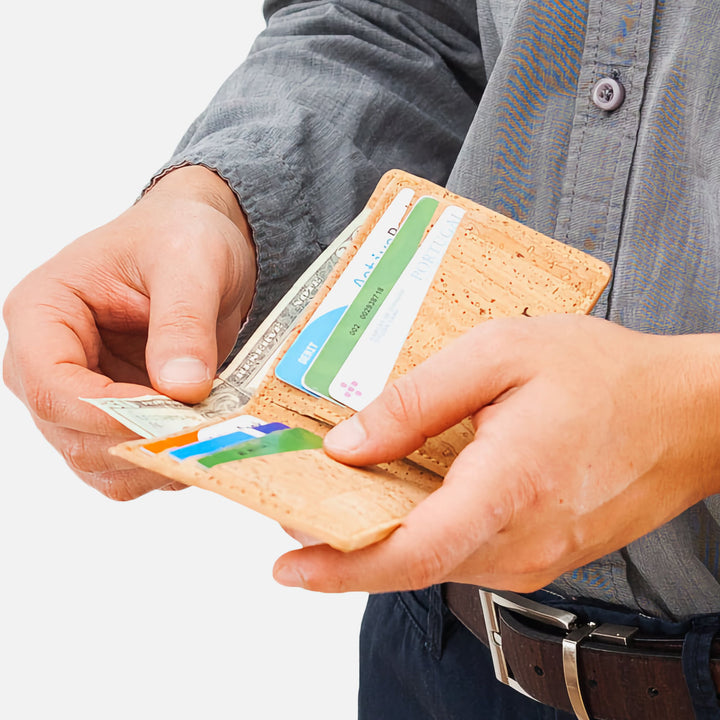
{"type": "Point", "coordinates": [494, 267]}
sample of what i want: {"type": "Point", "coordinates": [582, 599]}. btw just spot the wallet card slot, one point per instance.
{"type": "Point", "coordinates": [493, 267]}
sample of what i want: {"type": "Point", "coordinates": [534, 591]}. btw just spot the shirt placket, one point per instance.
{"type": "Point", "coordinates": [607, 115]}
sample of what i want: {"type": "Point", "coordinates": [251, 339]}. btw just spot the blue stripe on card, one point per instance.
{"type": "Point", "coordinates": [205, 447]}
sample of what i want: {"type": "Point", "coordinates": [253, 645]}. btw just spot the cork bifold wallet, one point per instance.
{"type": "Point", "coordinates": [424, 267]}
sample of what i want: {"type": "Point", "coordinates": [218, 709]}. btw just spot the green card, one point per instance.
{"type": "Point", "coordinates": [281, 441]}
{"type": "Point", "coordinates": [371, 296]}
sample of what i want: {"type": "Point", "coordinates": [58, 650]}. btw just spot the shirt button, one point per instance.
{"type": "Point", "coordinates": [608, 94]}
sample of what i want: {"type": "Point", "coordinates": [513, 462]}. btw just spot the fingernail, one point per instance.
{"type": "Point", "coordinates": [349, 435]}
{"type": "Point", "coordinates": [289, 576]}
{"type": "Point", "coordinates": [184, 371]}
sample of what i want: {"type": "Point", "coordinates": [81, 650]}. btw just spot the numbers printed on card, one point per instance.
{"type": "Point", "coordinates": [348, 348]}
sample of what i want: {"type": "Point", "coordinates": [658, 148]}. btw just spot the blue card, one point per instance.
{"type": "Point", "coordinates": [206, 447]}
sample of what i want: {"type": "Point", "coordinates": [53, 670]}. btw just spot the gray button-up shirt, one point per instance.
{"type": "Point", "coordinates": [496, 99]}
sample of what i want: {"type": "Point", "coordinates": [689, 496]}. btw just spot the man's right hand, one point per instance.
{"type": "Point", "coordinates": [154, 298]}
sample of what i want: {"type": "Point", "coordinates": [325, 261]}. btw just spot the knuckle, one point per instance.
{"type": "Point", "coordinates": [117, 489]}
{"type": "Point", "coordinates": [121, 485]}
{"type": "Point", "coordinates": [174, 487]}
{"type": "Point", "coordinates": [530, 494]}
{"type": "Point", "coordinates": [402, 401]}
{"type": "Point", "coordinates": [503, 512]}
{"type": "Point", "coordinates": [79, 458]}
{"type": "Point", "coordinates": [529, 490]}
{"type": "Point", "coordinates": [180, 320]}
{"type": "Point", "coordinates": [502, 337]}
{"type": "Point", "coordinates": [425, 569]}
{"type": "Point", "coordinates": [42, 402]}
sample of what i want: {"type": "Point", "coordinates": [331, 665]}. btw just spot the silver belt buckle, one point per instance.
{"type": "Point", "coordinates": [562, 619]}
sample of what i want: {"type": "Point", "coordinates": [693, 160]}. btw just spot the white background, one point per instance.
{"type": "Point", "coordinates": [163, 607]}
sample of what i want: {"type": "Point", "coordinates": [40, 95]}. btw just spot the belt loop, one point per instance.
{"type": "Point", "coordinates": [570, 644]}
{"type": "Point", "coordinates": [696, 666]}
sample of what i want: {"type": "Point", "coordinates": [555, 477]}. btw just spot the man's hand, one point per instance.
{"type": "Point", "coordinates": [154, 298]}
{"type": "Point", "coordinates": [588, 436]}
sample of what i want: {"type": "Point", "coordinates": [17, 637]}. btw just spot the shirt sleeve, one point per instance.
{"type": "Point", "coordinates": [331, 96]}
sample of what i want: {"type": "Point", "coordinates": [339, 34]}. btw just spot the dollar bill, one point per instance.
{"type": "Point", "coordinates": [149, 415]}
{"type": "Point", "coordinates": [155, 415]}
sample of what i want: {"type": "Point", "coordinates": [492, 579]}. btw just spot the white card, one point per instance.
{"type": "Point", "coordinates": [241, 422]}
{"type": "Point", "coordinates": [364, 374]}
{"type": "Point", "coordinates": [300, 354]}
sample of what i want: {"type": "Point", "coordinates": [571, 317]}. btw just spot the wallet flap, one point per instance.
{"type": "Point", "coordinates": [346, 507]}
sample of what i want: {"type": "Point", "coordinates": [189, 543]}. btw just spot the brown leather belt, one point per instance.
{"type": "Point", "coordinates": [617, 674]}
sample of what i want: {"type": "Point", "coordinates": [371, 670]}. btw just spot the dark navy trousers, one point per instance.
{"type": "Point", "coordinates": [418, 662]}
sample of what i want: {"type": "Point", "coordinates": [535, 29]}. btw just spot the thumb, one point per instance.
{"type": "Point", "coordinates": [451, 385]}
{"type": "Point", "coordinates": [181, 352]}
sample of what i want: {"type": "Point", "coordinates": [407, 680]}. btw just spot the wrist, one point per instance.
{"type": "Point", "coordinates": [204, 185]}
{"type": "Point", "coordinates": [181, 188]}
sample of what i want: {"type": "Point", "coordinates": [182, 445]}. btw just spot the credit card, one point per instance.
{"type": "Point", "coordinates": [301, 353]}
{"type": "Point", "coordinates": [241, 422]}
{"type": "Point", "coordinates": [206, 447]}
{"type": "Point", "coordinates": [364, 374]}
{"type": "Point", "coordinates": [369, 299]}
{"type": "Point", "coordinates": [282, 441]}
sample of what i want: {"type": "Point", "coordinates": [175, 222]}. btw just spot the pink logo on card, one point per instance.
{"type": "Point", "coordinates": [351, 389]}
